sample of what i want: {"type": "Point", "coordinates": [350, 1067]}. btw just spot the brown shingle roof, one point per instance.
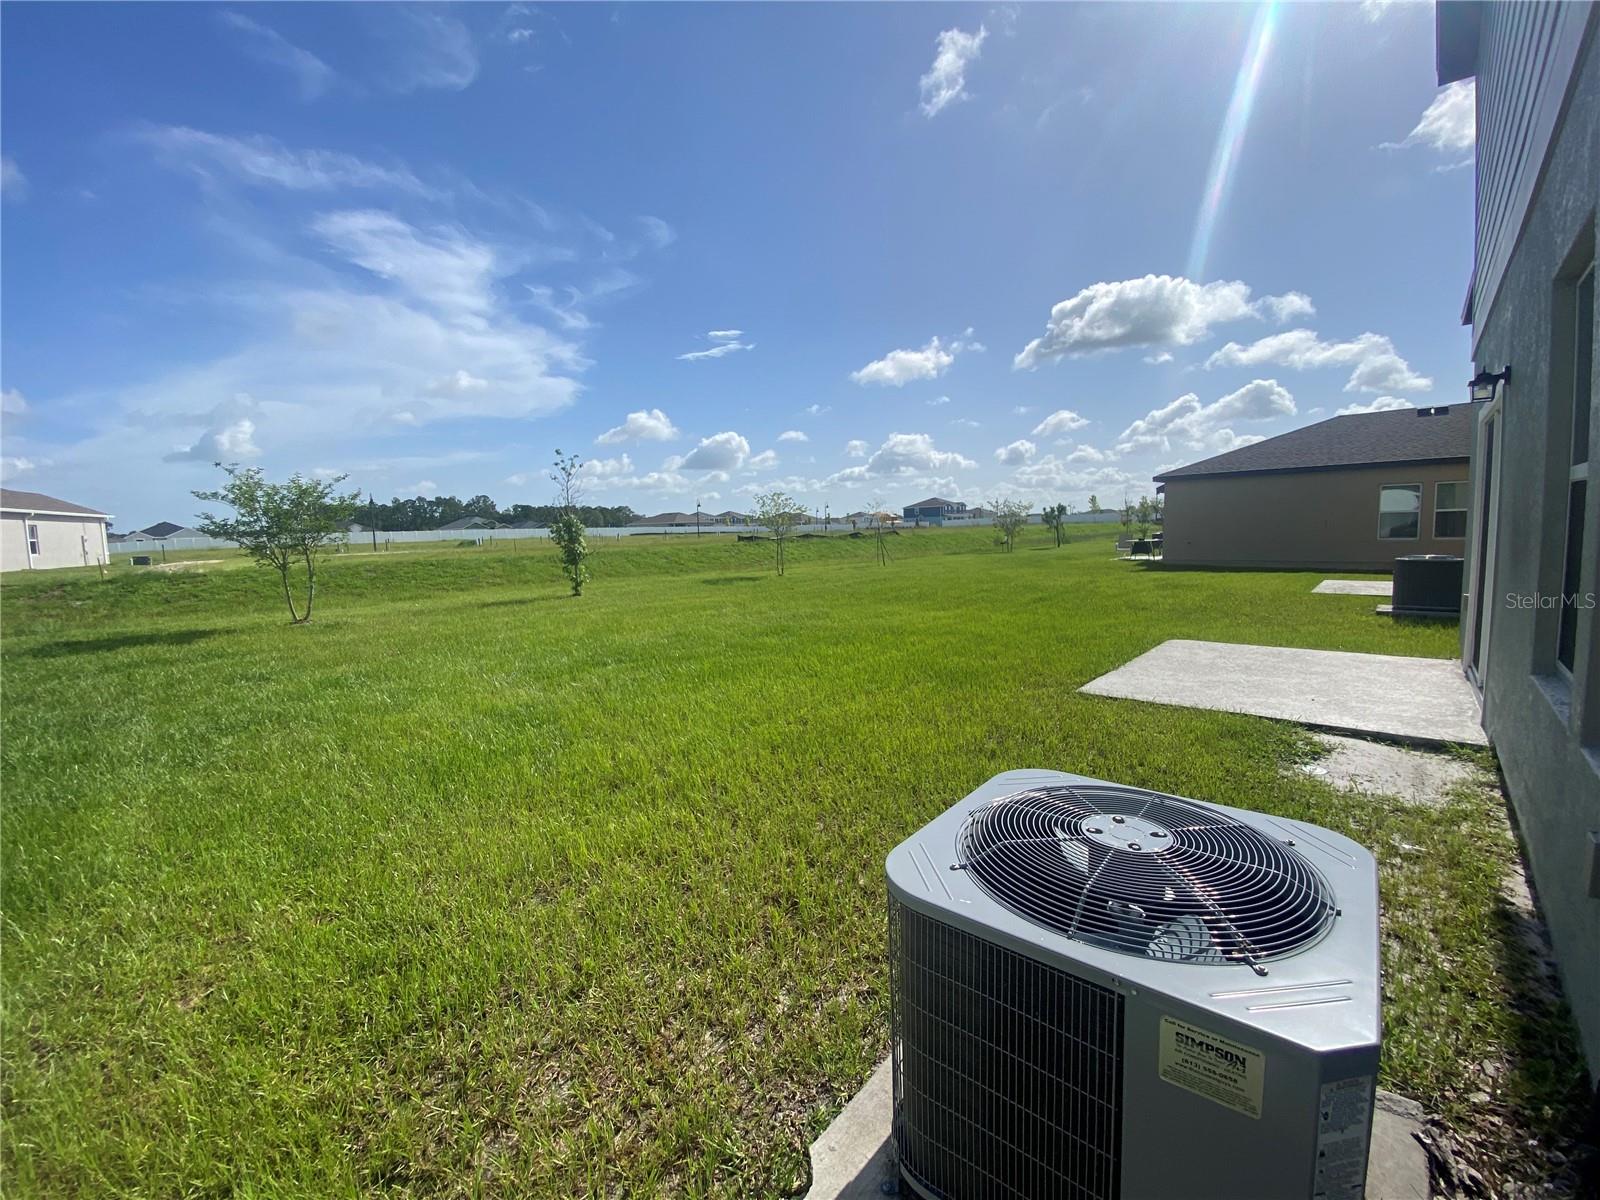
{"type": "Point", "coordinates": [38, 502]}
{"type": "Point", "coordinates": [1401, 435]}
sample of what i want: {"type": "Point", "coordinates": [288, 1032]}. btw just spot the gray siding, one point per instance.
{"type": "Point", "coordinates": [1527, 55]}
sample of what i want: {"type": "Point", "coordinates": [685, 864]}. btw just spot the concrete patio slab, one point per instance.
{"type": "Point", "coordinates": [1354, 587]}
{"type": "Point", "coordinates": [854, 1158]}
{"type": "Point", "coordinates": [1424, 700]}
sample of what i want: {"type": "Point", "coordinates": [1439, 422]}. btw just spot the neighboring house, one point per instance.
{"type": "Point", "coordinates": [528, 523]}
{"type": "Point", "coordinates": [732, 518]}
{"type": "Point", "coordinates": [464, 523]}
{"type": "Point", "coordinates": [163, 531]}
{"type": "Point", "coordinates": [38, 532]}
{"type": "Point", "coordinates": [1531, 629]}
{"type": "Point", "coordinates": [1351, 493]}
{"type": "Point", "coordinates": [933, 510]}
{"type": "Point", "coordinates": [673, 520]}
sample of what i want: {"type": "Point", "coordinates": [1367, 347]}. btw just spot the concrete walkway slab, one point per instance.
{"type": "Point", "coordinates": [1354, 587]}
{"type": "Point", "coordinates": [854, 1157]}
{"type": "Point", "coordinates": [1425, 700]}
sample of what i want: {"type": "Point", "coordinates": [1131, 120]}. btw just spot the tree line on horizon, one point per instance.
{"type": "Point", "coordinates": [420, 512]}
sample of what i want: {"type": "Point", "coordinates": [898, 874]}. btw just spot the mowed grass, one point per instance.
{"type": "Point", "coordinates": [471, 888]}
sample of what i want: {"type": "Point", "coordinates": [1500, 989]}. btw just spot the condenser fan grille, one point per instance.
{"type": "Point", "coordinates": [1146, 874]}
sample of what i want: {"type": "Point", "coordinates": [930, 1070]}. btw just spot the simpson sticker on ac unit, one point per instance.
{"type": "Point", "coordinates": [1212, 1066]}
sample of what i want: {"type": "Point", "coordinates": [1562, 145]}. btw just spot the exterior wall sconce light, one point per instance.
{"type": "Point", "coordinates": [1484, 383]}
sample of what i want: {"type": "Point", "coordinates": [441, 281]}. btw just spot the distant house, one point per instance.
{"type": "Point", "coordinates": [466, 523]}
{"type": "Point", "coordinates": [1350, 493]}
{"type": "Point", "coordinates": [866, 520]}
{"type": "Point", "coordinates": [672, 520]}
{"type": "Point", "coordinates": [528, 523]}
{"type": "Point", "coordinates": [1530, 629]}
{"type": "Point", "coordinates": [732, 518]}
{"type": "Point", "coordinates": [39, 532]}
{"type": "Point", "coordinates": [163, 531]}
{"type": "Point", "coordinates": [934, 511]}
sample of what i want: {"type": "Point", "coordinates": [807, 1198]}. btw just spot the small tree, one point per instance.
{"type": "Point", "coordinates": [882, 543]}
{"type": "Point", "coordinates": [1055, 517]}
{"type": "Point", "coordinates": [1143, 515]}
{"type": "Point", "coordinates": [567, 531]}
{"type": "Point", "coordinates": [779, 513]}
{"type": "Point", "coordinates": [279, 524]}
{"type": "Point", "coordinates": [1094, 504]}
{"type": "Point", "coordinates": [1125, 515]}
{"type": "Point", "coordinates": [1009, 518]}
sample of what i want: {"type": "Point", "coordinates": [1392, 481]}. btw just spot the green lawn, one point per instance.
{"type": "Point", "coordinates": [472, 888]}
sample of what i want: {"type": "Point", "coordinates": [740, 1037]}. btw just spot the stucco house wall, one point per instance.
{"type": "Point", "coordinates": [63, 542]}
{"type": "Point", "coordinates": [1544, 723]}
{"type": "Point", "coordinates": [1313, 519]}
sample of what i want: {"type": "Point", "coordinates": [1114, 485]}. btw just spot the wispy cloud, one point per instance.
{"type": "Point", "coordinates": [13, 183]}
{"type": "Point", "coordinates": [723, 342]}
{"type": "Point", "coordinates": [946, 80]}
{"type": "Point", "coordinates": [428, 50]}
{"type": "Point", "coordinates": [266, 162]}
{"type": "Point", "coordinates": [312, 76]}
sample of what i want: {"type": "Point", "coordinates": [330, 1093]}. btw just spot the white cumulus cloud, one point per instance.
{"type": "Point", "coordinates": [725, 451]}
{"type": "Point", "coordinates": [1374, 364]}
{"type": "Point", "coordinates": [230, 443]}
{"type": "Point", "coordinates": [1187, 424]}
{"type": "Point", "coordinates": [900, 367]}
{"type": "Point", "coordinates": [1017, 453]}
{"type": "Point", "coordinates": [1155, 310]}
{"type": "Point", "coordinates": [1449, 124]}
{"type": "Point", "coordinates": [647, 425]}
{"type": "Point", "coordinates": [903, 454]}
{"type": "Point", "coordinates": [856, 448]}
{"type": "Point", "coordinates": [793, 435]}
{"type": "Point", "coordinates": [12, 403]}
{"type": "Point", "coordinates": [946, 80]}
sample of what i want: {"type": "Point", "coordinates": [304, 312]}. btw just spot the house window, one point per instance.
{"type": "Point", "coordinates": [1578, 473]}
{"type": "Point", "coordinates": [33, 541]}
{"type": "Point", "coordinates": [1400, 511]}
{"type": "Point", "coordinates": [1450, 509]}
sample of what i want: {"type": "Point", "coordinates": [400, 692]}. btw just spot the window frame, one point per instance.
{"type": "Point", "coordinates": [1569, 616]}
{"type": "Point", "coordinates": [1464, 510]}
{"type": "Point", "coordinates": [32, 533]}
{"type": "Point", "coordinates": [1415, 537]}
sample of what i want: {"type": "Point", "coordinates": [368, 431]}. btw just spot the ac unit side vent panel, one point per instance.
{"type": "Point", "coordinates": [1007, 1072]}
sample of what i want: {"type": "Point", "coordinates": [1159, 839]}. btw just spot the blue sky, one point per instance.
{"type": "Point", "coordinates": [855, 252]}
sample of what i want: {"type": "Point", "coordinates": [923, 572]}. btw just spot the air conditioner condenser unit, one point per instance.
{"type": "Point", "coordinates": [1106, 993]}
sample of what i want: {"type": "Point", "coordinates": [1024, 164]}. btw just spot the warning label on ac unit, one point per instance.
{"type": "Point", "coordinates": [1212, 1066]}
{"type": "Point", "coordinates": [1344, 1118]}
